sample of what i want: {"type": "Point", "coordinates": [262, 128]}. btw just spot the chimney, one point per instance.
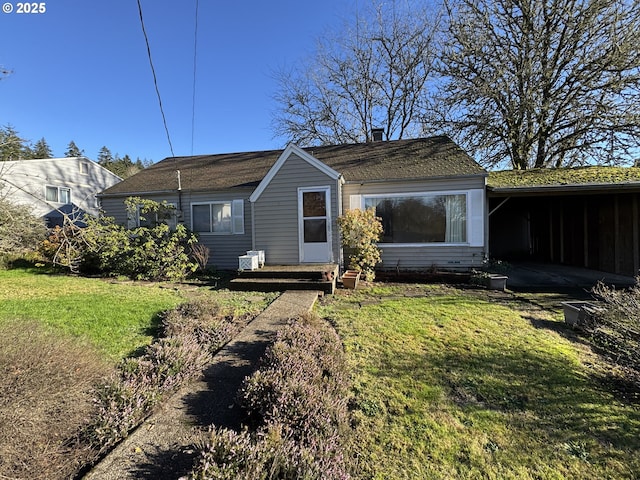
{"type": "Point", "coordinates": [376, 134]}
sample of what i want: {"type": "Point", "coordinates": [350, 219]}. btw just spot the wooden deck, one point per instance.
{"type": "Point", "coordinates": [279, 278]}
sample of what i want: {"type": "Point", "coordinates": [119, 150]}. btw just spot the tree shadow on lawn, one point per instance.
{"type": "Point", "coordinates": [558, 397]}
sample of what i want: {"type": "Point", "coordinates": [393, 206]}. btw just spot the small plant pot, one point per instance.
{"type": "Point", "coordinates": [497, 282]}
{"type": "Point", "coordinates": [578, 312]}
{"type": "Point", "coordinates": [350, 279]}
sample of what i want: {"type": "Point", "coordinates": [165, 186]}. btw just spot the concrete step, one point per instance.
{"type": "Point", "coordinates": [310, 272]}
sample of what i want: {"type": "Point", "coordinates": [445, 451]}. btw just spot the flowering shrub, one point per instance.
{"type": "Point", "coordinates": [194, 332]}
{"type": "Point", "coordinates": [297, 401]}
{"type": "Point", "coordinates": [360, 230]}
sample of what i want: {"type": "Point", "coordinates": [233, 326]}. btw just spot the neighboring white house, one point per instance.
{"type": "Point", "coordinates": [55, 187]}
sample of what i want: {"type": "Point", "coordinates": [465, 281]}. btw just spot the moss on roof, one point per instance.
{"type": "Point", "coordinates": [563, 176]}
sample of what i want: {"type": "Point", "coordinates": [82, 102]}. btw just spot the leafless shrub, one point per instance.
{"type": "Point", "coordinates": [46, 383]}
{"type": "Point", "coordinates": [200, 253]}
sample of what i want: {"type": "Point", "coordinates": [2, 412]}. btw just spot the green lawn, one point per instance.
{"type": "Point", "coordinates": [455, 384]}
{"type": "Point", "coordinates": [117, 318]}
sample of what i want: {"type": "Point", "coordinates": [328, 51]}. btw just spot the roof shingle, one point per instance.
{"type": "Point", "coordinates": [394, 160]}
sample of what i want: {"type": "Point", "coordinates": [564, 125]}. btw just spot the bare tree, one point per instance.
{"type": "Point", "coordinates": [544, 83]}
{"type": "Point", "coordinates": [374, 75]}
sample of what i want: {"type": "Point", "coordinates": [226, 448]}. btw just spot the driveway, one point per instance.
{"type": "Point", "coordinates": [545, 277]}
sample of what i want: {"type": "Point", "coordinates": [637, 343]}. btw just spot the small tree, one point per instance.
{"type": "Point", "coordinates": [360, 230]}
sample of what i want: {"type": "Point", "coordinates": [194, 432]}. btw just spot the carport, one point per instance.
{"type": "Point", "coordinates": [573, 219]}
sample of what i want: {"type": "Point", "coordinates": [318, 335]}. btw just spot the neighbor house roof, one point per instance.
{"type": "Point", "coordinates": [393, 160]}
{"type": "Point", "coordinates": [548, 180]}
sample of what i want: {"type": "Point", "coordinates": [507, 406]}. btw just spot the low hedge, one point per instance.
{"type": "Point", "coordinates": [297, 405]}
{"type": "Point", "coordinates": [192, 333]}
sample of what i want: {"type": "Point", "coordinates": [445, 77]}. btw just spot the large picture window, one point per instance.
{"type": "Point", "coordinates": [218, 217]}
{"type": "Point", "coordinates": [421, 218]}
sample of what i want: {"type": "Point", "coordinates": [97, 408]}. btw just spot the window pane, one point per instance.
{"type": "Point", "coordinates": [221, 217]}
{"type": "Point", "coordinates": [52, 194]}
{"type": "Point", "coordinates": [65, 195]}
{"type": "Point", "coordinates": [315, 231]}
{"type": "Point", "coordinates": [313, 204]}
{"type": "Point", "coordinates": [421, 219]}
{"type": "Point", "coordinates": [201, 218]}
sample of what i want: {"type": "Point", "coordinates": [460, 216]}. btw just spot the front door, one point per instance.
{"type": "Point", "coordinates": [314, 214]}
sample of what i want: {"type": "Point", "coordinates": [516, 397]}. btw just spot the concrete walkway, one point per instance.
{"type": "Point", "coordinates": [161, 448]}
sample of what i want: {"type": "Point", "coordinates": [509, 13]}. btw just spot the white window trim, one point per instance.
{"type": "Point", "coordinates": [237, 217]}
{"type": "Point", "coordinates": [59, 189]}
{"type": "Point", "coordinates": [358, 201]}
{"type": "Point", "coordinates": [134, 222]}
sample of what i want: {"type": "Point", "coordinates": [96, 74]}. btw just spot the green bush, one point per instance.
{"type": "Point", "coordinates": [154, 252]}
{"type": "Point", "coordinates": [360, 230]}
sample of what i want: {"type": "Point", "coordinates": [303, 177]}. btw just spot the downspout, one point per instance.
{"type": "Point", "coordinates": [180, 195]}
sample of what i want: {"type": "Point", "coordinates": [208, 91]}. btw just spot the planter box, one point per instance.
{"type": "Point", "coordinates": [248, 262]}
{"type": "Point", "coordinates": [350, 279]}
{"type": "Point", "coordinates": [497, 282]}
{"type": "Point", "coordinates": [259, 254]}
{"type": "Point", "coordinates": [578, 312]}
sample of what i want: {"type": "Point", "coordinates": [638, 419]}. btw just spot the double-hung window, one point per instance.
{"type": "Point", "coordinates": [421, 218]}
{"type": "Point", "coordinates": [58, 194]}
{"type": "Point", "coordinates": [220, 218]}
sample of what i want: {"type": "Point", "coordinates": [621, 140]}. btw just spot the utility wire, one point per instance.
{"type": "Point", "coordinates": [193, 99]}
{"type": "Point", "coordinates": [155, 80]}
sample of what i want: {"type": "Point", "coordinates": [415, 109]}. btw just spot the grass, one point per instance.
{"type": "Point", "coordinates": [62, 336]}
{"type": "Point", "coordinates": [452, 384]}
{"type": "Point", "coordinates": [116, 318]}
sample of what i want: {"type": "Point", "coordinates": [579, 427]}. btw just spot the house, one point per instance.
{"type": "Point", "coordinates": [55, 187]}
{"type": "Point", "coordinates": [429, 193]}
{"type": "Point", "coordinates": [585, 217]}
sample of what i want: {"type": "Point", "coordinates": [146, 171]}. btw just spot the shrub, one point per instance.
{"type": "Point", "coordinates": [194, 332]}
{"type": "Point", "coordinates": [616, 329]}
{"type": "Point", "coordinates": [297, 401]}
{"type": "Point", "coordinates": [20, 230]}
{"type": "Point", "coordinates": [360, 230]}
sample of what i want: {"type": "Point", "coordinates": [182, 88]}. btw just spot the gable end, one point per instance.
{"type": "Point", "coordinates": [291, 149]}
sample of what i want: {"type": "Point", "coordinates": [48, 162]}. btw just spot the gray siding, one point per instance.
{"type": "Point", "coordinates": [224, 249]}
{"type": "Point", "coordinates": [276, 211]}
{"type": "Point", "coordinates": [413, 257]}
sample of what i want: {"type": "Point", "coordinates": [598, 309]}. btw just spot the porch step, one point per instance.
{"type": "Point", "coordinates": [281, 284]}
{"type": "Point", "coordinates": [277, 278]}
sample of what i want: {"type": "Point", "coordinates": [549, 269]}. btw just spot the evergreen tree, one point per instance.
{"type": "Point", "coordinates": [12, 146]}
{"type": "Point", "coordinates": [73, 150]}
{"type": "Point", "coordinates": [41, 149]}
{"type": "Point", "coordinates": [105, 158]}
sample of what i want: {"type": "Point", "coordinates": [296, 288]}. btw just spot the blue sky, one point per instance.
{"type": "Point", "coordinates": [81, 72]}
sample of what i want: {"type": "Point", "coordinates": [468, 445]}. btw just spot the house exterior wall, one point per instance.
{"type": "Point", "coordinates": [224, 249]}
{"type": "Point", "coordinates": [275, 212]}
{"type": "Point", "coordinates": [24, 182]}
{"type": "Point", "coordinates": [423, 256]}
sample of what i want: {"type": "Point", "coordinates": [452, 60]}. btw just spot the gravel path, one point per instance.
{"type": "Point", "coordinates": [162, 447]}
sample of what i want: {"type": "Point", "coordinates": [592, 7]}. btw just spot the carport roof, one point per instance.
{"type": "Point", "coordinates": [543, 181]}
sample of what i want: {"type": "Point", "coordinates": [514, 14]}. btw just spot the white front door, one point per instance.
{"type": "Point", "coordinates": [314, 224]}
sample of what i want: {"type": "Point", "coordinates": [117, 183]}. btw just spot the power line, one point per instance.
{"type": "Point", "coordinates": [155, 80]}
{"type": "Point", "coordinates": [193, 99]}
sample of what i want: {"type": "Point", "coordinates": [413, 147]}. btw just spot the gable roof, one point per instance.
{"type": "Point", "coordinates": [376, 161]}
{"type": "Point", "coordinates": [292, 149]}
